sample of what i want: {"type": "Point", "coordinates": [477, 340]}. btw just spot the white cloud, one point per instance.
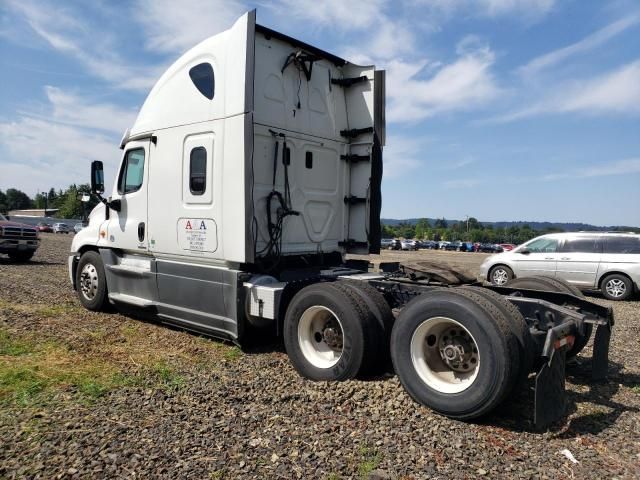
{"type": "Point", "coordinates": [461, 85]}
{"type": "Point", "coordinates": [590, 42]}
{"type": "Point", "coordinates": [54, 146]}
{"type": "Point", "coordinates": [618, 91]}
{"type": "Point", "coordinates": [629, 166]}
{"type": "Point", "coordinates": [620, 167]}
{"type": "Point", "coordinates": [390, 40]}
{"type": "Point", "coordinates": [613, 92]}
{"type": "Point", "coordinates": [72, 109]}
{"type": "Point", "coordinates": [527, 9]}
{"type": "Point", "coordinates": [175, 26]}
{"type": "Point", "coordinates": [88, 44]}
{"type": "Point", "coordinates": [337, 14]}
{"type": "Point", "coordinates": [403, 154]}
{"type": "Point", "coordinates": [462, 183]}
{"type": "Point", "coordinates": [41, 154]}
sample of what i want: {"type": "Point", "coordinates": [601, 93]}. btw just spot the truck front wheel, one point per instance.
{"type": "Point", "coordinates": [91, 282]}
{"type": "Point", "coordinates": [21, 256]}
{"type": "Point", "coordinates": [328, 333]}
{"type": "Point", "coordinates": [453, 353]}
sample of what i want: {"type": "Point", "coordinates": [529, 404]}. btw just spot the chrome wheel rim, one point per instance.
{"type": "Point", "coordinates": [89, 281]}
{"type": "Point", "coordinates": [320, 336]}
{"type": "Point", "coordinates": [445, 355]}
{"type": "Point", "coordinates": [500, 276]}
{"type": "Point", "coordinates": [616, 288]}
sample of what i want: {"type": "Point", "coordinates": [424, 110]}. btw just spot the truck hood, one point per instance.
{"type": "Point", "coordinates": [15, 224]}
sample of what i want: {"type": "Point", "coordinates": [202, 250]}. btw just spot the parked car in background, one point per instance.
{"type": "Point", "coordinates": [78, 226]}
{"type": "Point", "coordinates": [390, 244]}
{"type": "Point", "coordinates": [44, 227]}
{"type": "Point", "coordinates": [429, 244]}
{"type": "Point", "coordinates": [385, 243]}
{"type": "Point", "coordinates": [507, 247]}
{"type": "Point", "coordinates": [609, 262]}
{"type": "Point", "coordinates": [453, 246]}
{"type": "Point", "coordinates": [60, 228]}
{"type": "Point", "coordinates": [466, 247]}
{"type": "Point", "coordinates": [409, 244]}
{"type": "Point", "coordinates": [490, 248]}
{"type": "Point", "coordinates": [18, 240]}
{"type": "Point", "coordinates": [443, 244]}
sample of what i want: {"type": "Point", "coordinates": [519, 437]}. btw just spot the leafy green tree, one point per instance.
{"type": "Point", "coordinates": [3, 202]}
{"type": "Point", "coordinates": [473, 224]}
{"type": "Point", "coordinates": [440, 223]}
{"type": "Point", "coordinates": [422, 228]}
{"type": "Point", "coordinates": [17, 199]}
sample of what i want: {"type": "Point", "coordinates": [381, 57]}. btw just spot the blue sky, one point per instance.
{"type": "Point", "coordinates": [497, 109]}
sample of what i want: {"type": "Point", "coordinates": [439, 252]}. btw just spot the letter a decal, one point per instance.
{"type": "Point", "coordinates": [188, 227]}
{"type": "Point", "coordinates": [202, 225]}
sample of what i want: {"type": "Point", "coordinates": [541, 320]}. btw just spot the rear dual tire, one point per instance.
{"type": "Point", "coordinates": [336, 331]}
{"type": "Point", "coordinates": [455, 352]}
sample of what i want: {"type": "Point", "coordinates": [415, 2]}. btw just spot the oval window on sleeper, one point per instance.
{"type": "Point", "coordinates": [202, 77]}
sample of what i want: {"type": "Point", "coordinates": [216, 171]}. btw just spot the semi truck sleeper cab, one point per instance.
{"type": "Point", "coordinates": [253, 168]}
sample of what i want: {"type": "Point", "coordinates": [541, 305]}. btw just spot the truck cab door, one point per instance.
{"type": "Point", "coordinates": [364, 91]}
{"type": "Point", "coordinates": [127, 224]}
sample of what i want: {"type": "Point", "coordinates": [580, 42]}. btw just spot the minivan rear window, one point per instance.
{"type": "Point", "coordinates": [622, 245]}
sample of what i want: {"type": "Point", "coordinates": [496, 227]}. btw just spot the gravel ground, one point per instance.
{"type": "Point", "coordinates": [175, 405]}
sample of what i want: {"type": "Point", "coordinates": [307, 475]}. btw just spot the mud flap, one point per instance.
{"type": "Point", "coordinates": [600, 360]}
{"type": "Point", "coordinates": [550, 397]}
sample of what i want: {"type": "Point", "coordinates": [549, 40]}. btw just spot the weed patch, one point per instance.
{"type": "Point", "coordinates": [32, 374]}
{"type": "Point", "coordinates": [371, 459]}
{"type": "Point", "coordinates": [233, 353]}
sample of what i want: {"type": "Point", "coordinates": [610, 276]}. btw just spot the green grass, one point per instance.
{"type": "Point", "coordinates": [166, 377]}
{"type": "Point", "coordinates": [370, 461]}
{"type": "Point", "coordinates": [233, 353]}
{"type": "Point", "coordinates": [33, 373]}
{"type": "Point", "coordinates": [636, 389]}
{"type": "Point", "coordinates": [12, 346]}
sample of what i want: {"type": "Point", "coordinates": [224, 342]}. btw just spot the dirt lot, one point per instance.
{"type": "Point", "coordinates": [89, 395]}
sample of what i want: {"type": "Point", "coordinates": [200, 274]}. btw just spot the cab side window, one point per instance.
{"type": "Point", "coordinates": [198, 171]}
{"type": "Point", "coordinates": [132, 172]}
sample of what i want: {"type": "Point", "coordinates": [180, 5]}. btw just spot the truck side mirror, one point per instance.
{"type": "Point", "coordinates": [97, 177]}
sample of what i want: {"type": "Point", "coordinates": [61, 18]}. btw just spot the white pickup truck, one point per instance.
{"type": "Point", "coordinates": [253, 168]}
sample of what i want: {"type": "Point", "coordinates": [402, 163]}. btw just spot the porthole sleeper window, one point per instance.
{"type": "Point", "coordinates": [198, 171]}
{"type": "Point", "coordinates": [203, 78]}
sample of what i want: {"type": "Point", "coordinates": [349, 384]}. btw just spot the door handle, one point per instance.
{"type": "Point", "coordinates": [548, 258]}
{"type": "Point", "coordinates": [565, 258]}
{"type": "Point", "coordinates": [141, 232]}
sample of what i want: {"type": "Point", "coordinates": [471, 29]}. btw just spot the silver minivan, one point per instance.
{"type": "Point", "coordinates": [609, 262]}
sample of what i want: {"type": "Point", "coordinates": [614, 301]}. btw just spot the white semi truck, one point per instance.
{"type": "Point", "coordinates": [253, 168]}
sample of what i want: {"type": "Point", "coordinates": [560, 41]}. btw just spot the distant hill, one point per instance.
{"type": "Point", "coordinates": [566, 226]}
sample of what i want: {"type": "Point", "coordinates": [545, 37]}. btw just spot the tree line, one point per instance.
{"type": "Point", "coordinates": [66, 201]}
{"type": "Point", "coordinates": [470, 230]}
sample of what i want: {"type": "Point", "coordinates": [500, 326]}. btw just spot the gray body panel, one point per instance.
{"type": "Point", "coordinates": [201, 298]}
